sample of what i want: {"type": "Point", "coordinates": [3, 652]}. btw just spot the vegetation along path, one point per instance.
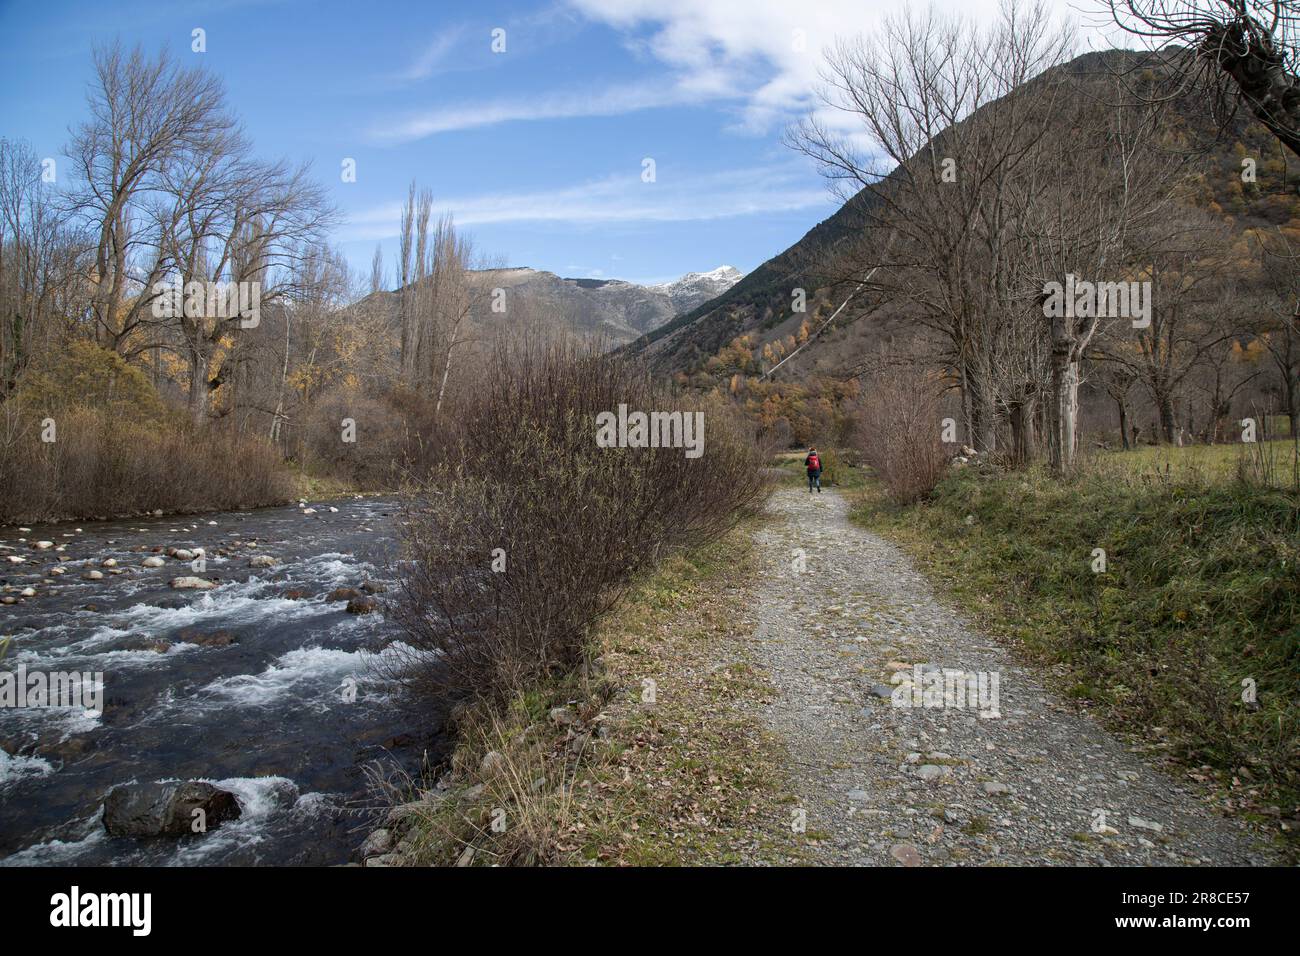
{"type": "Point", "coordinates": [841, 611]}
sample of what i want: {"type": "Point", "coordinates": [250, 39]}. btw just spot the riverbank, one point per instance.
{"type": "Point", "coordinates": [656, 756]}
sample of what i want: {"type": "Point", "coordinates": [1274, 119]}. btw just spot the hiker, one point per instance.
{"type": "Point", "coordinates": [814, 465]}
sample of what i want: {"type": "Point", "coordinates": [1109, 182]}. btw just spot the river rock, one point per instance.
{"type": "Point", "coordinates": [153, 562]}
{"type": "Point", "coordinates": [261, 561]}
{"type": "Point", "coordinates": [370, 587]}
{"type": "Point", "coordinates": [166, 809]}
{"type": "Point", "coordinates": [378, 843]}
{"type": "Point", "coordinates": [43, 545]}
{"type": "Point", "coordinates": [183, 554]}
{"type": "Point", "coordinates": [343, 594]}
{"type": "Point", "coordinates": [212, 639]}
{"type": "Point", "coordinates": [94, 575]}
{"type": "Point", "coordinates": [15, 559]}
{"type": "Point", "coordinates": [362, 605]}
{"type": "Point", "coordinates": [58, 571]}
{"type": "Point", "coordinates": [191, 582]}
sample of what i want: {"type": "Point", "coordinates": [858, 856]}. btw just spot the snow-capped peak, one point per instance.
{"type": "Point", "coordinates": [701, 286]}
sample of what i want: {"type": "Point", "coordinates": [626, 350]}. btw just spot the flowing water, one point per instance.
{"type": "Point", "coordinates": [260, 686]}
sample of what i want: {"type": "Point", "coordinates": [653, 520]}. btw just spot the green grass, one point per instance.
{"type": "Point", "coordinates": [1201, 592]}
{"type": "Point", "coordinates": [1204, 463]}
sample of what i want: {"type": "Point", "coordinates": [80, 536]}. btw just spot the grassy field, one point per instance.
{"type": "Point", "coordinates": [1158, 587]}
{"type": "Point", "coordinates": [1203, 463]}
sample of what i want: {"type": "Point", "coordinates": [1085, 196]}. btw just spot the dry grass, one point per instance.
{"type": "Point", "coordinates": [103, 464]}
{"type": "Point", "coordinates": [692, 778]}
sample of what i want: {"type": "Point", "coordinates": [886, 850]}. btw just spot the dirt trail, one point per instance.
{"type": "Point", "coordinates": [883, 783]}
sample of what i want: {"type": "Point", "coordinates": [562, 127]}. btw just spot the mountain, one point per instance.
{"type": "Point", "coordinates": [696, 288]}
{"type": "Point", "coordinates": [620, 310]}
{"type": "Point", "coordinates": [759, 305]}
{"type": "Point", "coordinates": [613, 309]}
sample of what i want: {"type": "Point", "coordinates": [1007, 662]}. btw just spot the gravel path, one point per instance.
{"type": "Point", "coordinates": [883, 783]}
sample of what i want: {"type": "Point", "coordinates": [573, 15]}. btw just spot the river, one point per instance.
{"type": "Point", "coordinates": [245, 686]}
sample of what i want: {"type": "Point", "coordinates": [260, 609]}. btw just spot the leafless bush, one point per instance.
{"type": "Point", "coordinates": [102, 464]}
{"type": "Point", "coordinates": [525, 531]}
{"type": "Point", "coordinates": [899, 429]}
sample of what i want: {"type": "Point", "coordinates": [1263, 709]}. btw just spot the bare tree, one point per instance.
{"type": "Point", "coordinates": [1243, 51]}
{"type": "Point", "coordinates": [42, 264]}
{"type": "Point", "coordinates": [945, 141]}
{"type": "Point", "coordinates": [146, 114]}
{"type": "Point", "coordinates": [1278, 322]}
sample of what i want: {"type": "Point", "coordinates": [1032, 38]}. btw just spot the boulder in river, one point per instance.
{"type": "Point", "coordinates": [201, 584]}
{"type": "Point", "coordinates": [167, 809]}
{"type": "Point", "coordinates": [362, 605]}
{"type": "Point", "coordinates": [261, 561]}
{"type": "Point", "coordinates": [343, 594]}
{"type": "Point", "coordinates": [153, 562]}
{"type": "Point", "coordinates": [210, 639]}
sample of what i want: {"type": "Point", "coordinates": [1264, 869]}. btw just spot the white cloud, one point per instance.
{"type": "Point", "coordinates": [769, 51]}
{"type": "Point", "coordinates": [620, 199]}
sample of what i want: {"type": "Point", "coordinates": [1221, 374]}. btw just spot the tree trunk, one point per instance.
{"type": "Point", "coordinates": [1123, 423]}
{"type": "Point", "coordinates": [446, 371]}
{"type": "Point", "coordinates": [200, 364]}
{"type": "Point", "coordinates": [983, 437]}
{"type": "Point", "coordinates": [1168, 423]}
{"type": "Point", "coordinates": [1065, 412]}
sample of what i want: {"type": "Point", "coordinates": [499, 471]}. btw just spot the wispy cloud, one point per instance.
{"type": "Point", "coordinates": [434, 55]}
{"type": "Point", "coordinates": [621, 199]}
{"type": "Point", "coordinates": [612, 101]}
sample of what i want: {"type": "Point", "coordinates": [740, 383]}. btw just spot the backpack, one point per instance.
{"type": "Point", "coordinates": [814, 463]}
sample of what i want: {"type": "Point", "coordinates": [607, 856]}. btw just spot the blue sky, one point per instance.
{"type": "Point", "coordinates": [537, 151]}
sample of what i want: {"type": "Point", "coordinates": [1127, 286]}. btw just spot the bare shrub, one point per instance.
{"type": "Point", "coordinates": [524, 531]}
{"type": "Point", "coordinates": [102, 464]}
{"type": "Point", "coordinates": [899, 428]}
